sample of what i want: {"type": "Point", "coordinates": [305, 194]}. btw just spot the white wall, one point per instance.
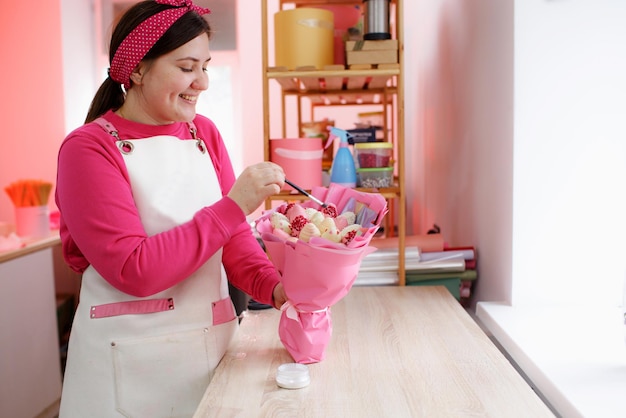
{"type": "Point", "coordinates": [519, 142]}
{"type": "Point", "coordinates": [570, 151]}
{"type": "Point", "coordinates": [78, 30]}
{"type": "Point", "coordinates": [565, 327]}
{"type": "Point", "coordinates": [251, 88]}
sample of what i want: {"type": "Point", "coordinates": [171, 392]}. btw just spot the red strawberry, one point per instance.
{"type": "Point", "coordinates": [284, 208]}
{"type": "Point", "coordinates": [297, 224]}
{"type": "Point", "coordinates": [349, 237]}
{"type": "Point", "coordinates": [330, 211]}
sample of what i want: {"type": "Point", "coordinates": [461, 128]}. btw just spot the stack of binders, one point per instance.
{"type": "Point", "coordinates": [457, 279]}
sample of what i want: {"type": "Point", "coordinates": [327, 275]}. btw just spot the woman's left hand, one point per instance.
{"type": "Point", "coordinates": [279, 295]}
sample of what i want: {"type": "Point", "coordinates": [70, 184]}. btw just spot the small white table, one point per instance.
{"type": "Point", "coordinates": [395, 352]}
{"type": "Point", "coordinates": [30, 369]}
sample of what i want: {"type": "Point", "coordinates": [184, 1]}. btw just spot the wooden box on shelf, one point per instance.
{"type": "Point", "coordinates": [372, 52]}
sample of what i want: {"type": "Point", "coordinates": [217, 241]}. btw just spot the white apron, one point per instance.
{"type": "Point", "coordinates": [152, 357]}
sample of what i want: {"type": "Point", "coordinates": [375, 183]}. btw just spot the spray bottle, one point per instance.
{"type": "Point", "coordinates": [343, 170]}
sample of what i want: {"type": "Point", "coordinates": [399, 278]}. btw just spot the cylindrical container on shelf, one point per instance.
{"type": "Point", "coordinates": [32, 221]}
{"type": "Point", "coordinates": [300, 158]}
{"type": "Point", "coordinates": [373, 154]}
{"type": "Point", "coordinates": [376, 19]}
{"type": "Point", "coordinates": [304, 37]}
{"type": "Point", "coordinates": [375, 177]}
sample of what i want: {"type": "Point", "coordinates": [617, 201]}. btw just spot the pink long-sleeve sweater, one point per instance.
{"type": "Point", "coordinates": [100, 224]}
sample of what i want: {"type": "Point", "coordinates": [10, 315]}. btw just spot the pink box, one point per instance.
{"type": "Point", "coordinates": [301, 158]}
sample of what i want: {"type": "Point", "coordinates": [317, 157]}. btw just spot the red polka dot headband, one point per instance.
{"type": "Point", "coordinates": [139, 41]}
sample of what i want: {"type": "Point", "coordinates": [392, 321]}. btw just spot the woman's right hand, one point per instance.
{"type": "Point", "coordinates": [255, 184]}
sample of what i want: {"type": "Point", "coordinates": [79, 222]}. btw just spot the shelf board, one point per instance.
{"type": "Point", "coordinates": [300, 3]}
{"type": "Point", "coordinates": [347, 97]}
{"type": "Point", "coordinates": [336, 80]}
{"type": "Point", "coordinates": [318, 2]}
{"type": "Point", "coordinates": [288, 195]}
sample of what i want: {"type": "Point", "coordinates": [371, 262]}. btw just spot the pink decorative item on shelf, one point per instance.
{"type": "Point", "coordinates": [319, 270]}
{"type": "Point", "coordinates": [301, 158]}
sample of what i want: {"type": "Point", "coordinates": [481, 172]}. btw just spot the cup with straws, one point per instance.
{"type": "Point", "coordinates": [30, 200]}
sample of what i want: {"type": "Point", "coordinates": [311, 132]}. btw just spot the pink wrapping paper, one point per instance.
{"type": "Point", "coordinates": [317, 274]}
{"type": "Point", "coordinates": [305, 335]}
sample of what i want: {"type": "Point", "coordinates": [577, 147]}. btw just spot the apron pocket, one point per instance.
{"type": "Point", "coordinates": [223, 311]}
{"type": "Point", "coordinates": [165, 376]}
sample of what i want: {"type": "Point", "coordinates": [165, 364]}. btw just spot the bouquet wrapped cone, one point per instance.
{"type": "Point", "coordinates": [318, 273]}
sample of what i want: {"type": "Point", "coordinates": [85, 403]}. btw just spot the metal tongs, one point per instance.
{"type": "Point", "coordinates": [307, 194]}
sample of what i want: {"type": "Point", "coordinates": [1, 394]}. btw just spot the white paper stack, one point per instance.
{"type": "Point", "coordinates": [381, 266]}
{"type": "Point", "coordinates": [386, 259]}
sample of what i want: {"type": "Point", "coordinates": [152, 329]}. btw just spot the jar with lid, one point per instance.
{"type": "Point", "coordinates": [373, 154]}
{"type": "Point", "coordinates": [376, 19]}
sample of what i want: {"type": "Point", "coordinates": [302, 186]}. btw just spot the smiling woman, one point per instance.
{"type": "Point", "coordinates": [166, 90]}
{"type": "Point", "coordinates": [156, 185]}
{"type": "Point", "coordinates": [223, 72]}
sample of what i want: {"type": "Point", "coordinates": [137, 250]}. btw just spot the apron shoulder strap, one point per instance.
{"type": "Point", "coordinates": [194, 134]}
{"type": "Point", "coordinates": [107, 126]}
{"type": "Point", "coordinates": [193, 129]}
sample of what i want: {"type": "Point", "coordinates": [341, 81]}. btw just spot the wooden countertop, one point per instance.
{"type": "Point", "coordinates": [395, 352]}
{"type": "Point", "coordinates": [31, 247]}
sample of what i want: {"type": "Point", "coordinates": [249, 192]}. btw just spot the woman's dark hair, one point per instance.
{"type": "Point", "coordinates": [110, 94]}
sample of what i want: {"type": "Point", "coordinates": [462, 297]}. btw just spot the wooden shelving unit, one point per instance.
{"type": "Point", "coordinates": [337, 85]}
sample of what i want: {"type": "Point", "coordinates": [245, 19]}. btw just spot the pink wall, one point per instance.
{"type": "Point", "coordinates": [32, 109]}
{"type": "Point", "coordinates": [460, 129]}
